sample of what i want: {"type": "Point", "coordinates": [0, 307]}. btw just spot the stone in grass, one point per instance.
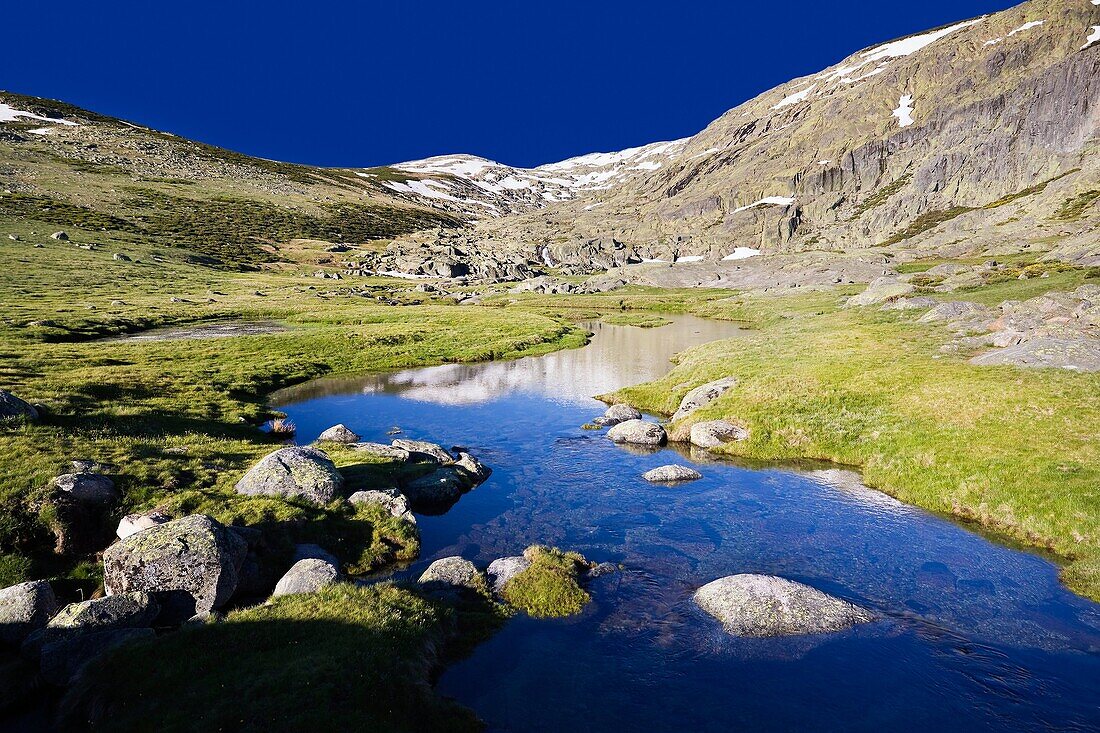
{"type": "Point", "coordinates": [308, 575]}
{"type": "Point", "coordinates": [338, 434]}
{"type": "Point", "coordinates": [92, 489]}
{"type": "Point", "coordinates": [13, 408]}
{"type": "Point", "coordinates": [25, 608]}
{"type": "Point", "coordinates": [294, 473]}
{"type": "Point", "coordinates": [714, 433]}
{"type": "Point", "coordinates": [134, 523]}
{"type": "Point", "coordinates": [671, 474]}
{"type": "Point", "coordinates": [133, 610]}
{"type": "Point", "coordinates": [193, 564]}
{"type": "Point", "coordinates": [638, 432]}
{"type": "Point", "coordinates": [381, 450]}
{"type": "Point", "coordinates": [703, 395]}
{"type": "Point", "coordinates": [766, 605]}
{"type": "Point", "coordinates": [504, 569]}
{"type": "Point", "coordinates": [391, 500]}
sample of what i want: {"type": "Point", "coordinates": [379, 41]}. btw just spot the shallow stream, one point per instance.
{"type": "Point", "coordinates": [975, 635]}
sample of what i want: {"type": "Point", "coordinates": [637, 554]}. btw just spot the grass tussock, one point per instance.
{"type": "Point", "coordinates": [345, 658]}
{"type": "Point", "coordinates": [550, 587]}
{"type": "Point", "coordinates": [639, 320]}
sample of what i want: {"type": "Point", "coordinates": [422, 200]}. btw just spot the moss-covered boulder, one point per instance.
{"type": "Point", "coordinates": [192, 565]}
{"type": "Point", "coordinates": [294, 473]}
{"type": "Point", "coordinates": [550, 586]}
{"type": "Point", "coordinates": [133, 610]}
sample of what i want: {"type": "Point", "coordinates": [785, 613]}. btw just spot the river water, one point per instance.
{"type": "Point", "coordinates": [975, 636]}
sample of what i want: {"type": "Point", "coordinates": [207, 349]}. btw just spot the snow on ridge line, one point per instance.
{"type": "Point", "coordinates": [602, 160]}
{"type": "Point", "coordinates": [767, 201]}
{"type": "Point", "coordinates": [11, 114]}
{"type": "Point", "coordinates": [912, 44]}
{"type": "Point", "coordinates": [904, 112]}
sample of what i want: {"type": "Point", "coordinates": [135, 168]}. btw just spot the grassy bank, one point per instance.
{"type": "Point", "coordinates": [1013, 450]}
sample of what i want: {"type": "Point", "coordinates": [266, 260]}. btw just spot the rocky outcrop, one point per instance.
{"type": "Point", "coordinates": [766, 605]}
{"type": "Point", "coordinates": [294, 473]}
{"type": "Point", "coordinates": [391, 500]}
{"type": "Point", "coordinates": [13, 408]}
{"type": "Point", "coordinates": [671, 474]}
{"type": "Point", "coordinates": [637, 432]}
{"type": "Point", "coordinates": [476, 472]}
{"type": "Point", "coordinates": [438, 491]}
{"type": "Point", "coordinates": [881, 290]}
{"type": "Point", "coordinates": [338, 434]}
{"type": "Point", "coordinates": [308, 575]}
{"type": "Point", "coordinates": [713, 433]}
{"type": "Point", "coordinates": [703, 395]}
{"type": "Point", "coordinates": [191, 564]}
{"type": "Point", "coordinates": [504, 569]}
{"type": "Point", "coordinates": [25, 608]}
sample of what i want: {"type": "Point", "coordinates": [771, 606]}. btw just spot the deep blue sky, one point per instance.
{"type": "Point", "coordinates": [365, 83]}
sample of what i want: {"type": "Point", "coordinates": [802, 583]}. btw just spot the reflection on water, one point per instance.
{"type": "Point", "coordinates": [617, 356]}
{"type": "Point", "coordinates": [975, 636]}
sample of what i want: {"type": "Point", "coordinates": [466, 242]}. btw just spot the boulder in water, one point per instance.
{"type": "Point", "coordinates": [766, 605]}
{"type": "Point", "coordinates": [421, 451]}
{"type": "Point", "coordinates": [637, 432]}
{"type": "Point", "coordinates": [617, 414]}
{"type": "Point", "coordinates": [671, 474]}
{"type": "Point", "coordinates": [714, 433]}
{"type": "Point", "coordinates": [504, 569]}
{"type": "Point", "coordinates": [339, 434]}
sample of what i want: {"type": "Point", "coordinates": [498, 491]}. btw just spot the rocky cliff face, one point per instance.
{"type": "Point", "coordinates": [980, 136]}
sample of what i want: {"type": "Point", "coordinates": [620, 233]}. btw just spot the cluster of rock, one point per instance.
{"type": "Point", "coordinates": [1057, 329]}
{"type": "Point", "coordinates": [448, 254]}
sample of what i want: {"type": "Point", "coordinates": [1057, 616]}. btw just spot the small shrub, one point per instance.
{"type": "Point", "coordinates": [283, 427]}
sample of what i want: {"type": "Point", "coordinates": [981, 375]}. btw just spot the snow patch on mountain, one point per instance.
{"type": "Point", "coordinates": [795, 98]}
{"type": "Point", "coordinates": [1026, 26]}
{"type": "Point", "coordinates": [11, 114]}
{"type": "Point", "coordinates": [904, 112]}
{"type": "Point", "coordinates": [767, 201]}
{"type": "Point", "coordinates": [1092, 37]}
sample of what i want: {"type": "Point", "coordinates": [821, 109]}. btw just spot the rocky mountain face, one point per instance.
{"type": "Point", "coordinates": [979, 137]}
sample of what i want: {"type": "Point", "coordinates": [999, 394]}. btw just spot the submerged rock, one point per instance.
{"type": "Point", "coordinates": [671, 474]}
{"type": "Point", "coordinates": [714, 433]}
{"type": "Point", "coordinates": [339, 434]}
{"type": "Point", "coordinates": [504, 569]}
{"type": "Point", "coordinates": [638, 432]}
{"type": "Point", "coordinates": [295, 473]}
{"type": "Point", "coordinates": [13, 408]}
{"type": "Point", "coordinates": [703, 395]}
{"type": "Point", "coordinates": [25, 608]}
{"type": "Point", "coordinates": [766, 605]}
{"type": "Point", "coordinates": [193, 564]}
{"type": "Point", "coordinates": [438, 491]}
{"type": "Point", "coordinates": [308, 575]}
